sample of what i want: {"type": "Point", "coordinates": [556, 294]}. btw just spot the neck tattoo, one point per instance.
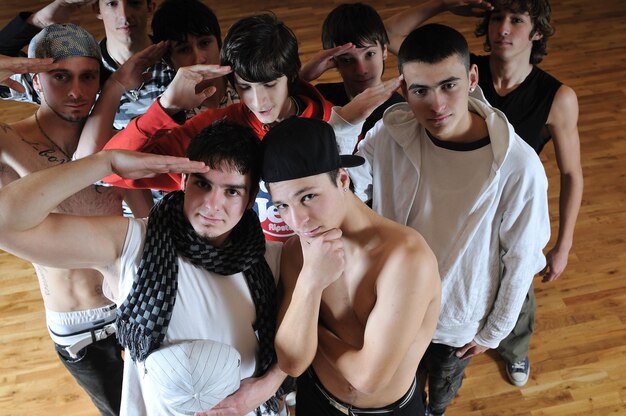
{"type": "Point", "coordinates": [59, 148]}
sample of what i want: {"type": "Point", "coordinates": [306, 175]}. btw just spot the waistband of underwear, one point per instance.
{"type": "Point", "coordinates": [87, 327]}
{"type": "Point", "coordinates": [348, 409]}
{"type": "Point", "coordinates": [73, 322]}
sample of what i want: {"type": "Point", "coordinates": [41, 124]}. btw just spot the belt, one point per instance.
{"type": "Point", "coordinates": [349, 410]}
{"type": "Point", "coordinates": [73, 343]}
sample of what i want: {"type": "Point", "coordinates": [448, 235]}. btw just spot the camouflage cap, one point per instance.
{"type": "Point", "coordinates": [61, 41]}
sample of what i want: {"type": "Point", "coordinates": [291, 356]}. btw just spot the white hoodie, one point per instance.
{"type": "Point", "coordinates": [499, 247]}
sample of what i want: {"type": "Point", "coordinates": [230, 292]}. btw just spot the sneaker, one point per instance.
{"type": "Point", "coordinates": [518, 372]}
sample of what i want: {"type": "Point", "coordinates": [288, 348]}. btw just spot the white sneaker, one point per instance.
{"type": "Point", "coordinates": [518, 372]}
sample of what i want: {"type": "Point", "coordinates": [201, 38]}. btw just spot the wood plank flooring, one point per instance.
{"type": "Point", "coordinates": [578, 352]}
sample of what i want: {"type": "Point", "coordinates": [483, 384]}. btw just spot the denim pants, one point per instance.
{"type": "Point", "coordinates": [99, 370]}
{"type": "Point", "coordinates": [444, 373]}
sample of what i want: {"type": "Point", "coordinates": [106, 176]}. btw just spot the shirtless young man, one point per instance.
{"type": "Point", "coordinates": [360, 293]}
{"type": "Point", "coordinates": [76, 308]}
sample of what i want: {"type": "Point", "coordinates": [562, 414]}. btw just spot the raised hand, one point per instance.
{"type": "Point", "coordinates": [131, 74]}
{"type": "Point", "coordinates": [189, 88]}
{"type": "Point", "coordinates": [322, 61]}
{"type": "Point", "coordinates": [137, 165]}
{"type": "Point", "coordinates": [366, 102]}
{"type": "Point", "coordinates": [59, 11]}
{"type": "Point", "coordinates": [476, 8]}
{"type": "Point", "coordinates": [11, 66]}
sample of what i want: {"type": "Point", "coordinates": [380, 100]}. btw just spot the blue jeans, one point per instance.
{"type": "Point", "coordinates": [99, 370]}
{"type": "Point", "coordinates": [444, 373]}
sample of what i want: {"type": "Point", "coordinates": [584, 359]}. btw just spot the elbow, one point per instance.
{"type": "Point", "coordinates": [292, 367]}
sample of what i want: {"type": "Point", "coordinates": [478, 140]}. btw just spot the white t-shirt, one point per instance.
{"type": "Point", "coordinates": [208, 306]}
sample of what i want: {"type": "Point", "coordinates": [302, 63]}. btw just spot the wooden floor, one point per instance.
{"type": "Point", "coordinates": [578, 353]}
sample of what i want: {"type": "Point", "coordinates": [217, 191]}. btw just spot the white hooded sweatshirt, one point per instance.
{"type": "Point", "coordinates": [496, 249]}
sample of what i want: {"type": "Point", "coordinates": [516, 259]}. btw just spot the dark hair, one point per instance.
{"type": "Point", "coordinates": [261, 49]}
{"type": "Point", "coordinates": [539, 11]}
{"type": "Point", "coordinates": [433, 43]}
{"type": "Point", "coordinates": [175, 19]}
{"type": "Point", "coordinates": [227, 143]}
{"type": "Point", "coordinates": [357, 23]}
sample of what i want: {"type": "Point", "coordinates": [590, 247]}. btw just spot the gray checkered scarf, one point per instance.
{"type": "Point", "coordinates": [143, 318]}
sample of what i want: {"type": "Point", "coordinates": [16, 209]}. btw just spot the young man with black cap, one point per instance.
{"type": "Point", "coordinates": [350, 327]}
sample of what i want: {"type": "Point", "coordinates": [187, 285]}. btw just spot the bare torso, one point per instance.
{"type": "Point", "coordinates": [345, 310]}
{"type": "Point", "coordinates": [23, 150]}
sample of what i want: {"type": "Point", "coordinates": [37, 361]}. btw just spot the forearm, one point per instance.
{"type": "Point", "coordinates": [98, 129]}
{"type": "Point", "coordinates": [570, 198]}
{"type": "Point", "coordinates": [296, 338]}
{"type": "Point", "coordinates": [27, 202]}
{"type": "Point", "coordinates": [271, 382]}
{"type": "Point", "coordinates": [400, 25]}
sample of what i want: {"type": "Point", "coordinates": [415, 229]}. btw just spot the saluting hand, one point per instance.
{"type": "Point", "coordinates": [188, 88]}
{"type": "Point", "coordinates": [322, 61]}
{"type": "Point", "coordinates": [10, 66]}
{"type": "Point", "coordinates": [137, 165]}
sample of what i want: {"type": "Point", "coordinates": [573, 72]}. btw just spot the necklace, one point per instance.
{"type": "Point", "coordinates": [49, 139]}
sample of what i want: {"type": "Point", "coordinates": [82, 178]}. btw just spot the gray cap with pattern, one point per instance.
{"type": "Point", "coordinates": [61, 41]}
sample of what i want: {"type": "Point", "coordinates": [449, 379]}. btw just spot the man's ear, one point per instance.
{"type": "Point", "coordinates": [37, 84]}
{"type": "Point", "coordinates": [253, 193]}
{"type": "Point", "coordinates": [95, 6]}
{"type": "Point", "coordinates": [405, 92]}
{"type": "Point", "coordinates": [343, 178]}
{"type": "Point", "coordinates": [385, 52]}
{"type": "Point", "coordinates": [473, 77]}
{"type": "Point", "coordinates": [536, 36]}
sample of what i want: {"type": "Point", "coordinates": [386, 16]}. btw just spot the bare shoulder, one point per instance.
{"type": "Point", "coordinates": [564, 106]}
{"type": "Point", "coordinates": [408, 256]}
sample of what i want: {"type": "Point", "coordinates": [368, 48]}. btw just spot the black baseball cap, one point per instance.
{"type": "Point", "coordinates": [299, 147]}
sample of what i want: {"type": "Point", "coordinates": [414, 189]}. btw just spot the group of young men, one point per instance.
{"type": "Point", "coordinates": [365, 305]}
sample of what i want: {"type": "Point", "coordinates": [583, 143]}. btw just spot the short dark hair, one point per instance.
{"type": "Point", "coordinates": [230, 144]}
{"type": "Point", "coordinates": [539, 11]}
{"type": "Point", "coordinates": [433, 43]}
{"type": "Point", "coordinates": [261, 48]}
{"type": "Point", "coordinates": [355, 23]}
{"type": "Point", "coordinates": [175, 19]}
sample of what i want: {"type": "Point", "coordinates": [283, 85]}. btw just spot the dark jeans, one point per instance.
{"type": "Point", "coordinates": [311, 402]}
{"type": "Point", "coordinates": [98, 369]}
{"type": "Point", "coordinates": [444, 373]}
{"type": "Point", "coordinates": [515, 346]}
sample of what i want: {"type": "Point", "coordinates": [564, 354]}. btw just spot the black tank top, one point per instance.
{"type": "Point", "coordinates": [527, 107]}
